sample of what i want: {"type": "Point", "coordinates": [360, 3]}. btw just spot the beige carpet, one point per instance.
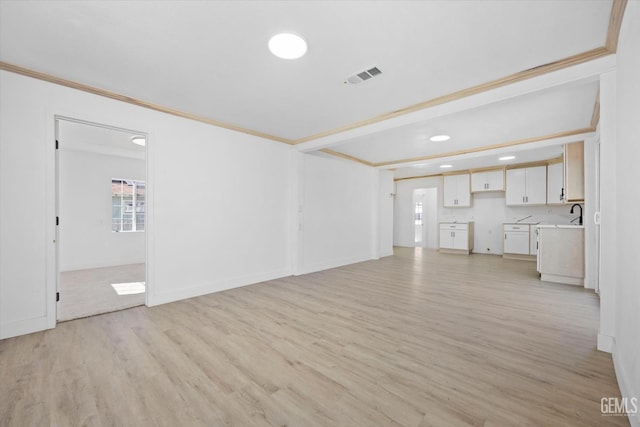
{"type": "Point", "coordinates": [100, 290]}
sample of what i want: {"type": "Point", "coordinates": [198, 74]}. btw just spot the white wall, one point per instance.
{"type": "Point", "coordinates": [86, 239]}
{"type": "Point", "coordinates": [229, 229]}
{"type": "Point", "coordinates": [489, 212]}
{"type": "Point", "coordinates": [386, 189]}
{"type": "Point", "coordinates": [338, 199]}
{"type": "Point", "coordinates": [608, 208]}
{"type": "Point", "coordinates": [590, 242]}
{"type": "Point", "coordinates": [626, 351]}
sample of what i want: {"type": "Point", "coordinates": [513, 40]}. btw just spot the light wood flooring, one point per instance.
{"type": "Point", "coordinates": [417, 339]}
{"type": "Point", "coordinates": [88, 292]}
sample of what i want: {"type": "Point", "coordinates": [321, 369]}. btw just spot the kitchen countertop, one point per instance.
{"type": "Point", "coordinates": [559, 226]}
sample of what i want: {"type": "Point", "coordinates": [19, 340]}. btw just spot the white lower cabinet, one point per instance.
{"type": "Point", "coordinates": [456, 237]}
{"type": "Point", "coordinates": [561, 254]}
{"type": "Point", "coordinates": [519, 241]}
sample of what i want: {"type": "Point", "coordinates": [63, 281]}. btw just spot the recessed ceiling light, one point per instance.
{"type": "Point", "coordinates": [439, 138]}
{"type": "Point", "coordinates": [507, 158]}
{"type": "Point", "coordinates": [446, 166]}
{"type": "Point", "coordinates": [287, 46]}
{"type": "Point", "coordinates": [139, 140]}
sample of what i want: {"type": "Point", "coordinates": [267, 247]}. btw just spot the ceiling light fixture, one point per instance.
{"type": "Point", "coordinates": [439, 138]}
{"type": "Point", "coordinates": [287, 46]}
{"type": "Point", "coordinates": [507, 158]}
{"type": "Point", "coordinates": [446, 166]}
{"type": "Point", "coordinates": [139, 140]}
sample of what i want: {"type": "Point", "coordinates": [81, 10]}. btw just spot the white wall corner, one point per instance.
{"type": "Point", "coordinates": [297, 225]}
{"type": "Point", "coordinates": [214, 286]}
{"type": "Point", "coordinates": [375, 213]}
{"type": "Point", "coordinates": [627, 387]}
{"type": "Point", "coordinates": [333, 263]}
{"type": "Point", "coordinates": [605, 343]}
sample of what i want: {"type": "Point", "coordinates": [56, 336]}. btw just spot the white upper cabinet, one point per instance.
{"type": "Point", "coordinates": [516, 184]}
{"type": "Point", "coordinates": [456, 191]}
{"type": "Point", "coordinates": [487, 181]}
{"type": "Point", "coordinates": [555, 184]}
{"type": "Point", "coordinates": [527, 186]}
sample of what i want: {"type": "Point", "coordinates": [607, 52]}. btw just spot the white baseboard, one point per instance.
{"type": "Point", "coordinates": [23, 327]}
{"type": "Point", "coordinates": [386, 253]}
{"type": "Point", "coordinates": [216, 286]}
{"type": "Point", "coordinates": [405, 244]}
{"type": "Point", "coordinates": [605, 343]}
{"type": "Point", "coordinates": [625, 387]}
{"type": "Point", "coordinates": [326, 265]}
{"type": "Point", "coordinates": [556, 278]}
{"type": "Point", "coordinates": [589, 283]}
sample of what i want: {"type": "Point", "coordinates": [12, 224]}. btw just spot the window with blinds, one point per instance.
{"type": "Point", "coordinates": [127, 205]}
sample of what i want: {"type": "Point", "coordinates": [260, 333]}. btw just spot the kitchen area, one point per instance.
{"type": "Point", "coordinates": [535, 208]}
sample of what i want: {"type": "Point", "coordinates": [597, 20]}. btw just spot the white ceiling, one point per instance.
{"type": "Point", "coordinates": [477, 161]}
{"type": "Point", "coordinates": [542, 113]}
{"type": "Point", "coordinates": [210, 58]}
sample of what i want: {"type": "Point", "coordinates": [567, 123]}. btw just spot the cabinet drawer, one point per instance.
{"type": "Point", "coordinates": [454, 226]}
{"type": "Point", "coordinates": [514, 227]}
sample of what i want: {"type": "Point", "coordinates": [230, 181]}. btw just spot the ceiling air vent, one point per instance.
{"type": "Point", "coordinates": [364, 75]}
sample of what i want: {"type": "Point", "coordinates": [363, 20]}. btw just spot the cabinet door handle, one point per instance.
{"type": "Point", "coordinates": [505, 236]}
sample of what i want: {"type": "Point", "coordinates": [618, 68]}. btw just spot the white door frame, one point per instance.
{"type": "Point", "coordinates": [52, 230]}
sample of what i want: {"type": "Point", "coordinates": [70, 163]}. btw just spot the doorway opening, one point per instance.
{"type": "Point", "coordinates": [101, 203]}
{"type": "Point", "coordinates": [425, 217]}
{"type": "Point", "coordinates": [418, 235]}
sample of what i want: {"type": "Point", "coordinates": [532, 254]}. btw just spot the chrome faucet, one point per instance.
{"type": "Point", "coordinates": [578, 205]}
